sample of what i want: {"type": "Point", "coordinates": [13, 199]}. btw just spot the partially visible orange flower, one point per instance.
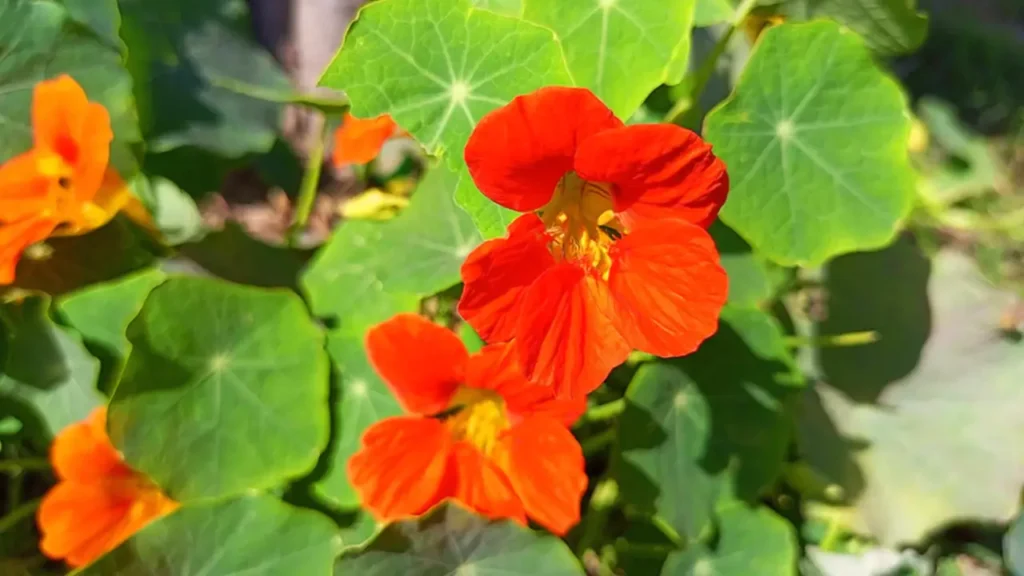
{"type": "Point", "coordinates": [612, 254]}
{"type": "Point", "coordinates": [99, 501]}
{"type": "Point", "coordinates": [63, 185]}
{"type": "Point", "coordinates": [358, 141]}
{"type": "Point", "coordinates": [477, 432]}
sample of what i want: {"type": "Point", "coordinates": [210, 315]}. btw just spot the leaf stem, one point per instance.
{"type": "Point", "coordinates": [682, 112]}
{"type": "Point", "coordinates": [606, 494]}
{"type": "Point", "coordinates": [310, 183]}
{"type": "Point", "coordinates": [598, 442]}
{"type": "Point", "coordinates": [16, 466]}
{"type": "Point", "coordinates": [833, 340]}
{"type": "Point", "coordinates": [18, 514]}
{"type": "Point", "coordinates": [605, 412]}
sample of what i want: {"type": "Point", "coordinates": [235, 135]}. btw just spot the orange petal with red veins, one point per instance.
{"type": "Point", "coordinates": [659, 171]}
{"type": "Point", "coordinates": [402, 467]}
{"type": "Point", "coordinates": [358, 141]}
{"type": "Point", "coordinates": [422, 363]}
{"type": "Point", "coordinates": [668, 286]}
{"type": "Point", "coordinates": [565, 336]}
{"type": "Point", "coordinates": [23, 190]}
{"type": "Point", "coordinates": [545, 464]}
{"type": "Point", "coordinates": [82, 452]}
{"type": "Point", "coordinates": [66, 123]}
{"type": "Point", "coordinates": [518, 153]}
{"type": "Point", "coordinates": [496, 367]}
{"type": "Point", "coordinates": [497, 274]}
{"type": "Point", "coordinates": [14, 238]}
{"type": "Point", "coordinates": [483, 487]}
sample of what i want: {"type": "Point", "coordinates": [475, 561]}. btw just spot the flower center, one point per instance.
{"type": "Point", "coordinates": [64, 205]}
{"type": "Point", "coordinates": [478, 417]}
{"type": "Point", "coordinates": [581, 220]}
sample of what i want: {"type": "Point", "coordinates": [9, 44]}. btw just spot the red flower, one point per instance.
{"type": "Point", "coordinates": [358, 141]}
{"type": "Point", "coordinates": [99, 501]}
{"type": "Point", "coordinates": [612, 254]}
{"type": "Point", "coordinates": [477, 432]}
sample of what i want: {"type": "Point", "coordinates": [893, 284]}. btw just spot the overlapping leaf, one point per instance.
{"type": "Point", "coordinates": [450, 540]}
{"type": "Point", "coordinates": [815, 139]}
{"type": "Point", "coordinates": [233, 399]}
{"type": "Point", "coordinates": [256, 534]}
{"type": "Point", "coordinates": [889, 26]}
{"type": "Point", "coordinates": [750, 541]}
{"type": "Point", "coordinates": [621, 50]}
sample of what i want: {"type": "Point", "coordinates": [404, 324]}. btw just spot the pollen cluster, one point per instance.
{"type": "Point", "coordinates": [478, 417]}
{"type": "Point", "coordinates": [581, 221]}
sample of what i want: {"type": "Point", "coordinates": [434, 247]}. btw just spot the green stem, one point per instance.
{"type": "Point", "coordinates": [833, 340]}
{"type": "Point", "coordinates": [16, 466]}
{"type": "Point", "coordinates": [598, 442]}
{"type": "Point", "coordinates": [682, 112]}
{"type": "Point", "coordinates": [605, 412]}
{"type": "Point", "coordinates": [18, 514]}
{"type": "Point", "coordinates": [308, 188]}
{"type": "Point", "coordinates": [606, 493]}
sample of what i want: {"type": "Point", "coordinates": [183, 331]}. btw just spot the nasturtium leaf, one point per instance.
{"type": "Point", "coordinates": [48, 378]}
{"type": "Point", "coordinates": [1013, 547]}
{"type": "Point", "coordinates": [101, 16]}
{"type": "Point", "coordinates": [899, 447]}
{"type": "Point", "coordinates": [815, 140]}
{"type": "Point", "coordinates": [368, 271]}
{"type": "Point", "coordinates": [750, 541]}
{"type": "Point", "coordinates": [437, 66]}
{"type": "Point", "coordinates": [101, 314]}
{"type": "Point", "coordinates": [705, 427]}
{"type": "Point", "coordinates": [621, 50]}
{"type": "Point", "coordinates": [232, 254]}
{"type": "Point", "coordinates": [174, 213]}
{"type": "Point", "coordinates": [506, 7]}
{"type": "Point", "coordinates": [41, 42]}
{"type": "Point", "coordinates": [358, 528]}
{"type": "Point", "coordinates": [68, 263]}
{"type": "Point", "coordinates": [451, 540]}
{"type": "Point", "coordinates": [890, 27]}
{"type": "Point", "coordinates": [711, 12]}
{"type": "Point", "coordinates": [491, 219]}
{"type": "Point", "coordinates": [234, 399]}
{"type": "Point", "coordinates": [192, 62]}
{"type": "Point", "coordinates": [752, 279]}
{"type": "Point", "coordinates": [248, 535]}
{"type": "Point", "coordinates": [365, 399]}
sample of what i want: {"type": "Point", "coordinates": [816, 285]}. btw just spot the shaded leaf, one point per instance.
{"type": "Point", "coordinates": [1013, 547]}
{"type": "Point", "coordinates": [750, 541]}
{"type": "Point", "coordinates": [890, 27]}
{"type": "Point", "coordinates": [102, 16]}
{"type": "Point", "coordinates": [234, 255]}
{"type": "Point", "coordinates": [231, 401]}
{"type": "Point", "coordinates": [450, 540]}
{"type": "Point", "coordinates": [815, 139]}
{"type": "Point", "coordinates": [230, 537]}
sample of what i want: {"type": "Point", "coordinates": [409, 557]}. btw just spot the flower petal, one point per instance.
{"type": "Point", "coordinates": [545, 464]}
{"type": "Point", "coordinates": [668, 286]}
{"type": "Point", "coordinates": [519, 152]}
{"type": "Point", "coordinates": [496, 367]}
{"type": "Point", "coordinates": [565, 336]}
{"type": "Point", "coordinates": [498, 272]}
{"type": "Point", "coordinates": [79, 522]}
{"type": "Point", "coordinates": [82, 452]}
{"type": "Point", "coordinates": [483, 487]}
{"type": "Point", "coordinates": [358, 141]}
{"type": "Point", "coordinates": [422, 363]}
{"type": "Point", "coordinates": [659, 171]}
{"type": "Point", "coordinates": [112, 197]}
{"type": "Point", "coordinates": [15, 237]}
{"type": "Point", "coordinates": [402, 467]}
{"type": "Point", "coordinates": [23, 190]}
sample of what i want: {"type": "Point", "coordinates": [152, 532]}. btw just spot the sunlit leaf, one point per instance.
{"type": "Point", "coordinates": [621, 50]}
{"type": "Point", "coordinates": [450, 540]}
{"type": "Point", "coordinates": [250, 535]}
{"type": "Point", "coordinates": [750, 541]}
{"type": "Point", "coordinates": [815, 140]}
{"type": "Point", "coordinates": [490, 218]}
{"type": "Point", "coordinates": [234, 399]}
{"type": "Point", "coordinates": [937, 395]}
{"type": "Point", "coordinates": [507, 7]}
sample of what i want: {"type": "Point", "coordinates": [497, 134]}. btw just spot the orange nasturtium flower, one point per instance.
{"type": "Point", "coordinates": [612, 254]}
{"type": "Point", "coordinates": [358, 141]}
{"type": "Point", "coordinates": [63, 185]}
{"type": "Point", "coordinates": [476, 432]}
{"type": "Point", "coordinates": [99, 501]}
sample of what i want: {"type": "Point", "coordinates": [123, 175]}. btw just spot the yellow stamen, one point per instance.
{"type": "Point", "coordinates": [481, 418]}
{"type": "Point", "coordinates": [579, 218]}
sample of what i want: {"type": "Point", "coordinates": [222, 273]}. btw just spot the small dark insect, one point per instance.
{"type": "Point", "coordinates": [64, 182]}
{"type": "Point", "coordinates": [448, 412]}
{"type": "Point", "coordinates": [611, 232]}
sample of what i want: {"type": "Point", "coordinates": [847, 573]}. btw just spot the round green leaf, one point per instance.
{"type": "Point", "coordinates": [922, 442]}
{"type": "Point", "coordinates": [506, 7]}
{"type": "Point", "coordinates": [815, 140]}
{"type": "Point", "coordinates": [250, 535]}
{"type": "Point", "coordinates": [365, 399]}
{"type": "Point", "coordinates": [750, 541]}
{"type": "Point", "coordinates": [225, 389]}
{"type": "Point", "coordinates": [48, 43]}
{"type": "Point", "coordinates": [752, 279]}
{"type": "Point", "coordinates": [47, 377]}
{"type": "Point", "coordinates": [706, 427]}
{"type": "Point", "coordinates": [889, 26]}
{"type": "Point", "coordinates": [491, 219]}
{"type": "Point", "coordinates": [450, 540]}
{"type": "Point", "coordinates": [437, 66]}
{"type": "Point", "coordinates": [621, 50]}
{"type": "Point", "coordinates": [369, 271]}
